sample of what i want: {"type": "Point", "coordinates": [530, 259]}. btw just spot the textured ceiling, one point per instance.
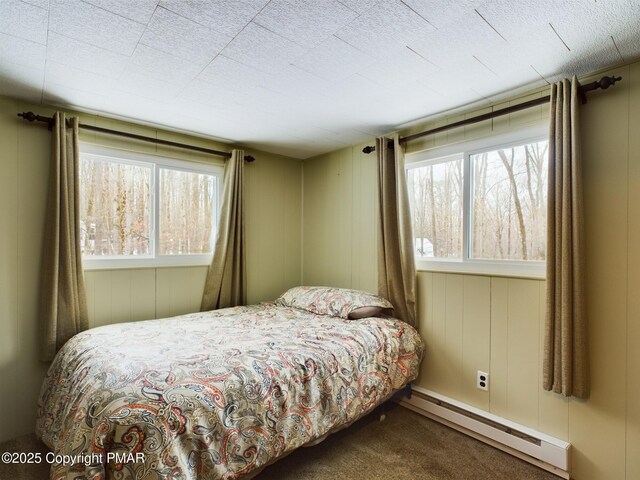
{"type": "Point", "coordinates": [300, 77]}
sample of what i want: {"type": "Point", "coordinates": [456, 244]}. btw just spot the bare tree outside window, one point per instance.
{"type": "Point", "coordinates": [115, 215]}
{"type": "Point", "coordinates": [121, 201]}
{"type": "Point", "coordinates": [187, 212]}
{"type": "Point", "coordinates": [509, 203]}
{"type": "Point", "coordinates": [436, 195]}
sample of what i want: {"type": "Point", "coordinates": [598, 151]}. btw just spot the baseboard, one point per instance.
{"type": "Point", "coordinates": [525, 443]}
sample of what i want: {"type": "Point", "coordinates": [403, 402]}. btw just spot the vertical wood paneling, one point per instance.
{"type": "Point", "coordinates": [455, 135]}
{"type": "Point", "coordinates": [633, 299]}
{"type": "Point", "coordinates": [369, 212]}
{"type": "Point", "coordinates": [125, 295]}
{"type": "Point", "coordinates": [292, 213]}
{"type": "Point", "coordinates": [257, 230]}
{"type": "Point", "coordinates": [357, 224]}
{"type": "Point", "coordinates": [345, 196]}
{"type": "Point", "coordinates": [311, 222]}
{"type": "Point", "coordinates": [271, 228]}
{"type": "Point", "coordinates": [330, 255]}
{"type": "Point", "coordinates": [501, 124]}
{"type": "Point", "coordinates": [143, 294]}
{"type": "Point", "coordinates": [480, 129]}
{"type": "Point", "coordinates": [252, 191]}
{"type": "Point", "coordinates": [473, 323]}
{"type": "Point", "coordinates": [121, 297]}
{"type": "Point", "coordinates": [197, 277]}
{"type": "Point", "coordinates": [499, 373]}
{"type": "Point", "coordinates": [597, 427]}
{"type": "Point", "coordinates": [454, 300]}
{"type": "Point", "coordinates": [273, 220]}
{"type": "Point", "coordinates": [32, 198]}
{"type": "Point", "coordinates": [90, 289]}
{"type": "Point", "coordinates": [438, 376]}
{"type": "Point", "coordinates": [529, 115]}
{"type": "Point", "coordinates": [337, 217]}
{"type": "Point", "coordinates": [553, 408]}
{"type": "Point", "coordinates": [439, 139]}
{"type": "Point", "coordinates": [179, 290]}
{"type": "Point", "coordinates": [9, 348]}
{"type": "Point", "coordinates": [331, 220]}
{"type": "Point", "coordinates": [522, 356]}
{"type": "Point", "coordinates": [364, 222]}
{"type": "Point", "coordinates": [425, 326]}
{"type": "Point", "coordinates": [476, 338]}
{"type": "Point", "coordinates": [112, 141]}
{"type": "Point", "coordinates": [424, 142]}
{"type": "Point", "coordinates": [102, 300]}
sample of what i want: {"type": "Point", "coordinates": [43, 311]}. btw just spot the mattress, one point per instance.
{"type": "Point", "coordinates": [215, 395]}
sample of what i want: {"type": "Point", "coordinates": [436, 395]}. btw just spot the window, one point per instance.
{"type": "Point", "coordinates": [141, 210]}
{"type": "Point", "coordinates": [481, 208]}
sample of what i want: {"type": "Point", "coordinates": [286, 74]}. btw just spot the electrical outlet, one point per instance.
{"type": "Point", "coordinates": [483, 381]}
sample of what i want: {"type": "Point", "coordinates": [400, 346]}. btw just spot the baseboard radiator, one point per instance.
{"type": "Point", "coordinates": [534, 447]}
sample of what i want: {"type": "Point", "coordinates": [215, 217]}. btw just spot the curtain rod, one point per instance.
{"type": "Point", "coordinates": [603, 83]}
{"type": "Point", "coordinates": [32, 117]}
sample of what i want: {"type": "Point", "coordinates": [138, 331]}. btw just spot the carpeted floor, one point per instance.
{"type": "Point", "coordinates": [404, 446]}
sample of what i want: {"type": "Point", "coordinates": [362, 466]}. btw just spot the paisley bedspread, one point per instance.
{"type": "Point", "coordinates": [215, 394]}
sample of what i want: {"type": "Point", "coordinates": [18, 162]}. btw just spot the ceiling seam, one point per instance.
{"type": "Point", "coordinates": [540, 75]}
{"type": "Point", "coordinates": [559, 37]}
{"type": "Point", "coordinates": [487, 22]}
{"type": "Point", "coordinates": [164, 7]}
{"type": "Point", "coordinates": [34, 5]}
{"type": "Point", "coordinates": [228, 43]}
{"type": "Point", "coordinates": [422, 56]}
{"type": "Point", "coordinates": [28, 39]}
{"type": "Point", "coordinates": [414, 11]}
{"type": "Point", "coordinates": [617, 49]}
{"type": "Point", "coordinates": [113, 13]}
{"type": "Point", "coordinates": [484, 65]}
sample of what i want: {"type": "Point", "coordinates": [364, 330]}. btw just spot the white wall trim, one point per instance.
{"type": "Point", "coordinates": [523, 442]}
{"type": "Point", "coordinates": [498, 268]}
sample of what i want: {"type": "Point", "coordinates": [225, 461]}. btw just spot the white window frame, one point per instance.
{"type": "Point", "coordinates": [432, 156]}
{"type": "Point", "coordinates": [155, 162]}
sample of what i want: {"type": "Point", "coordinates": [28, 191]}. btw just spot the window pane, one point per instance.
{"type": "Point", "coordinates": [187, 212]}
{"type": "Point", "coordinates": [510, 203]}
{"type": "Point", "coordinates": [435, 194]}
{"type": "Point", "coordinates": [114, 208]}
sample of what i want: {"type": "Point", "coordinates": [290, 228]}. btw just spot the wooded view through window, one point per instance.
{"type": "Point", "coordinates": [187, 213]}
{"type": "Point", "coordinates": [131, 209]}
{"type": "Point", "coordinates": [436, 197]}
{"type": "Point", "coordinates": [115, 208]}
{"type": "Point", "coordinates": [506, 210]}
{"type": "Point", "coordinates": [510, 203]}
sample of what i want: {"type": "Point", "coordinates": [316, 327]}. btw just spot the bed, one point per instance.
{"type": "Point", "coordinates": [221, 394]}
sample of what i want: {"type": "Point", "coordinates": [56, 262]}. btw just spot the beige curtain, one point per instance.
{"type": "Point", "coordinates": [63, 305]}
{"type": "Point", "coordinates": [226, 284]}
{"type": "Point", "coordinates": [396, 263]}
{"type": "Point", "coordinates": [566, 365]}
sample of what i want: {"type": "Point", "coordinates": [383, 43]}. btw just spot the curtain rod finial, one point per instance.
{"type": "Point", "coordinates": [368, 149]}
{"type": "Point", "coordinates": [606, 82]}
{"type": "Point", "coordinates": [30, 116]}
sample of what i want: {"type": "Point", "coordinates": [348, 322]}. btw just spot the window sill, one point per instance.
{"type": "Point", "coordinates": [138, 263]}
{"type": "Point", "coordinates": [529, 270]}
